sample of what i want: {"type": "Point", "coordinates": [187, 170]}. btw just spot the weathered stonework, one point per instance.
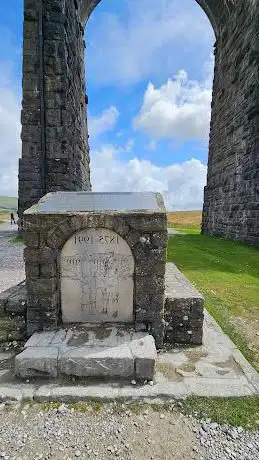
{"type": "Point", "coordinates": [184, 309]}
{"type": "Point", "coordinates": [47, 231]}
{"type": "Point", "coordinates": [231, 200]}
{"type": "Point", "coordinates": [111, 352]}
{"type": "Point", "coordinates": [55, 153]}
{"type": "Point", "coordinates": [13, 312]}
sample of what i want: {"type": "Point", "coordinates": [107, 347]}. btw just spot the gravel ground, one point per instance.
{"type": "Point", "coordinates": [34, 432]}
{"type": "Point", "coordinates": [11, 258]}
{"type": "Point", "coordinates": [225, 442]}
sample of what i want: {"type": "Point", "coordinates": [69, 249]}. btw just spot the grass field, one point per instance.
{"type": "Point", "coordinates": [187, 221]}
{"type": "Point", "coordinates": [227, 273]}
{"type": "Point", "coordinates": [7, 205]}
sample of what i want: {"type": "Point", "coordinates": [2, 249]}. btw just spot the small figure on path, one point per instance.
{"type": "Point", "coordinates": [12, 218]}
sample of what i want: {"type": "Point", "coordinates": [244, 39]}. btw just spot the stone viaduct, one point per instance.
{"type": "Point", "coordinates": [55, 151]}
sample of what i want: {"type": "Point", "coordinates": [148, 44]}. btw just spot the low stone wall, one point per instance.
{"type": "Point", "coordinates": [184, 307]}
{"type": "Point", "coordinates": [183, 311]}
{"type": "Point", "coordinates": [13, 312]}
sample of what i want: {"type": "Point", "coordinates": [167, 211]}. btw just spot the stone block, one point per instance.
{"type": "Point", "coordinates": [145, 354]}
{"type": "Point", "coordinates": [31, 239]}
{"type": "Point", "coordinates": [41, 286]}
{"type": "Point", "coordinates": [17, 303]}
{"type": "Point", "coordinates": [3, 301]}
{"type": "Point", "coordinates": [89, 351]}
{"type": "Point", "coordinates": [154, 223]}
{"type": "Point", "coordinates": [42, 339]}
{"type": "Point", "coordinates": [105, 362]}
{"type": "Point", "coordinates": [37, 362]}
{"type": "Point", "coordinates": [159, 239]}
{"type": "Point", "coordinates": [32, 270]}
{"type": "Point", "coordinates": [12, 327]}
{"type": "Point", "coordinates": [185, 336]}
{"type": "Point", "coordinates": [12, 300]}
{"type": "Point", "coordinates": [48, 270]}
{"type": "Point", "coordinates": [183, 309]}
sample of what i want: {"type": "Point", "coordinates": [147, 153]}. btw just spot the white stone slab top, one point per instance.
{"type": "Point", "coordinates": [129, 202]}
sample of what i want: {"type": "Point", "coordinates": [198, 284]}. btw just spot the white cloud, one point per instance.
{"type": "Point", "coordinates": [146, 37]}
{"type": "Point", "coordinates": [105, 122]}
{"type": "Point", "coordinates": [178, 109]}
{"type": "Point", "coordinates": [10, 144]}
{"type": "Point", "coordinates": [181, 184]}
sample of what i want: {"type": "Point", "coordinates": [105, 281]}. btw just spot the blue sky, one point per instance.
{"type": "Point", "coordinates": [148, 72]}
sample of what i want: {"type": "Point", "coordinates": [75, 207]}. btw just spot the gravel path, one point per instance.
{"type": "Point", "coordinates": [11, 258]}
{"type": "Point", "coordinates": [64, 434]}
{"type": "Point", "coordinates": [34, 432]}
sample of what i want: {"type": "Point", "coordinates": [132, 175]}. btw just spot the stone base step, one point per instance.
{"type": "Point", "coordinates": [89, 351]}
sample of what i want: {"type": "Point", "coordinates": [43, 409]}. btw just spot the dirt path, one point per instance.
{"type": "Point", "coordinates": [11, 257]}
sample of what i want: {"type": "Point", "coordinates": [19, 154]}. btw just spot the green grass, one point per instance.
{"type": "Point", "coordinates": [188, 229]}
{"type": "Point", "coordinates": [232, 411]}
{"type": "Point", "coordinates": [227, 273]}
{"type": "Point", "coordinates": [83, 406]}
{"type": "Point", "coordinates": [8, 203]}
{"type": "Point", "coordinates": [18, 239]}
{"type": "Point", "coordinates": [4, 212]}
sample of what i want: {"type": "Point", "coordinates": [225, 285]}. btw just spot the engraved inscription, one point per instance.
{"type": "Point", "coordinates": [97, 269]}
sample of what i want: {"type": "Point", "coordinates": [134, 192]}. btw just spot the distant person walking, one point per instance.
{"type": "Point", "coordinates": [12, 218]}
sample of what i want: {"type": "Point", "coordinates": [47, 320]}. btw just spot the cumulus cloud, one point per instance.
{"type": "Point", "coordinates": [178, 109]}
{"type": "Point", "coordinates": [10, 144]}
{"type": "Point", "coordinates": [146, 37]}
{"type": "Point", "coordinates": [105, 122]}
{"type": "Point", "coordinates": [180, 183]}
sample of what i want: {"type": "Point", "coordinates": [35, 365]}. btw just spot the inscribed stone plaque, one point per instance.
{"type": "Point", "coordinates": [97, 269]}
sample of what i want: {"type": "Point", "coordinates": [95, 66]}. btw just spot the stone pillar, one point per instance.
{"type": "Point", "coordinates": [231, 199]}
{"type": "Point", "coordinates": [31, 185]}
{"type": "Point", "coordinates": [55, 151]}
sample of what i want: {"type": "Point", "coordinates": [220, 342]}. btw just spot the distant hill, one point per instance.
{"type": "Point", "coordinates": [8, 203]}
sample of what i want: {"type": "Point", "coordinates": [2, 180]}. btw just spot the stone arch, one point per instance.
{"type": "Point", "coordinates": [55, 152]}
{"type": "Point", "coordinates": [217, 11]}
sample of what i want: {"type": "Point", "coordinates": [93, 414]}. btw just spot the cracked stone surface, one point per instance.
{"type": "Point", "coordinates": [215, 369]}
{"type": "Point", "coordinates": [89, 351]}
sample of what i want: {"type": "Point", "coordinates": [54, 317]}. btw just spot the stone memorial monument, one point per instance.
{"type": "Point", "coordinates": [95, 276]}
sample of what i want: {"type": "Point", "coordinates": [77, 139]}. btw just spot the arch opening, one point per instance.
{"type": "Point", "coordinates": [217, 12]}
{"type": "Point", "coordinates": [55, 151]}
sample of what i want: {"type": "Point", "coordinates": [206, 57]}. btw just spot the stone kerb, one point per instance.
{"type": "Point", "coordinates": [45, 235]}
